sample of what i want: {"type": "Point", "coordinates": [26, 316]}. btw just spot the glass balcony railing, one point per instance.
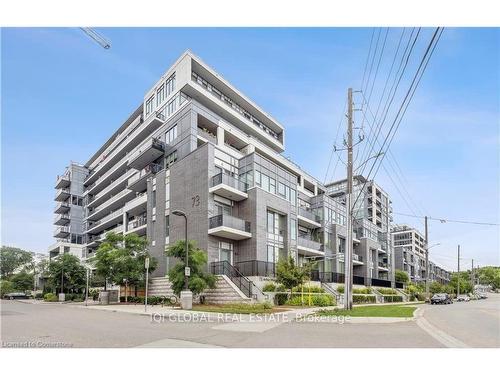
{"type": "Point", "coordinates": [230, 222]}
{"type": "Point", "coordinates": [308, 214]}
{"type": "Point", "coordinates": [309, 242]}
{"type": "Point", "coordinates": [228, 180]}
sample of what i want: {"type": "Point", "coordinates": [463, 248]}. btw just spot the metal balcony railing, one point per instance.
{"type": "Point", "coordinates": [136, 223]}
{"type": "Point", "coordinates": [147, 170]}
{"type": "Point", "coordinates": [256, 268]}
{"type": "Point", "coordinates": [223, 178]}
{"type": "Point", "coordinates": [230, 222]}
{"type": "Point", "coordinates": [61, 230]}
{"type": "Point", "coordinates": [152, 143]}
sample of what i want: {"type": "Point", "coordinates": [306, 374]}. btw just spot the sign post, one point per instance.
{"type": "Point", "coordinates": [146, 266]}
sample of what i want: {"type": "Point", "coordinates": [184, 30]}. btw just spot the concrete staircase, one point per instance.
{"type": "Point", "coordinates": [331, 289]}
{"type": "Point", "coordinates": [160, 286]}
{"type": "Point", "coordinates": [225, 292]}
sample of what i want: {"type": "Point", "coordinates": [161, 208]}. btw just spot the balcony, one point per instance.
{"type": "Point", "coordinates": [115, 186]}
{"type": "Point", "coordinates": [152, 123]}
{"type": "Point", "coordinates": [62, 194]}
{"type": "Point", "coordinates": [61, 219]}
{"type": "Point", "coordinates": [62, 207]}
{"type": "Point", "coordinates": [61, 232]}
{"type": "Point", "coordinates": [114, 172]}
{"type": "Point", "coordinates": [146, 153]}
{"type": "Point", "coordinates": [110, 205]}
{"type": "Point", "coordinates": [383, 266]}
{"type": "Point", "coordinates": [136, 205]}
{"type": "Point", "coordinates": [307, 218]}
{"type": "Point", "coordinates": [309, 246]}
{"type": "Point", "coordinates": [63, 181]}
{"type": "Point", "coordinates": [228, 187]}
{"type": "Point", "coordinates": [95, 240]}
{"type": "Point", "coordinates": [229, 227]}
{"type": "Point", "coordinates": [207, 135]}
{"type": "Point", "coordinates": [137, 226]}
{"type": "Point", "coordinates": [138, 181]}
{"type": "Point", "coordinates": [357, 260]}
{"type": "Point", "coordinates": [107, 221]}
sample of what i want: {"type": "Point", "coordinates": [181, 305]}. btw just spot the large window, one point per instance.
{"type": "Point", "coordinates": [293, 229]}
{"type": "Point", "coordinates": [170, 159]}
{"type": "Point", "coordinates": [160, 95]}
{"type": "Point", "coordinates": [171, 134]}
{"type": "Point", "coordinates": [269, 184]}
{"type": "Point", "coordinates": [149, 105]}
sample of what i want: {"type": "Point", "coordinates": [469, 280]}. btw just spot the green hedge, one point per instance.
{"type": "Point", "coordinates": [393, 298]}
{"type": "Point", "coordinates": [321, 300]}
{"type": "Point", "coordinates": [280, 298]}
{"type": "Point", "coordinates": [386, 291]}
{"type": "Point", "coordinates": [308, 289]}
{"type": "Point", "coordinates": [361, 291]}
{"type": "Point", "coordinates": [363, 298]}
{"type": "Point", "coordinates": [152, 300]}
{"type": "Point", "coordinates": [50, 297]}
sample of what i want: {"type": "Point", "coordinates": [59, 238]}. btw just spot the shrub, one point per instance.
{"type": "Point", "coordinates": [321, 300]}
{"type": "Point", "coordinates": [269, 287]}
{"type": "Point", "coordinates": [39, 295]}
{"type": "Point", "coordinates": [340, 289]}
{"type": "Point", "coordinates": [363, 298]}
{"type": "Point", "coordinates": [281, 296]}
{"type": "Point", "coordinates": [393, 298]}
{"type": "Point", "coordinates": [308, 289]}
{"type": "Point", "coordinates": [50, 297]}
{"type": "Point", "coordinates": [386, 291]}
{"type": "Point", "coordinates": [361, 291]}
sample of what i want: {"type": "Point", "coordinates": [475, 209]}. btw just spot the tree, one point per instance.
{"type": "Point", "coordinates": [290, 275]}
{"type": "Point", "coordinates": [23, 281]}
{"type": "Point", "coordinates": [462, 279]}
{"type": "Point", "coordinates": [198, 279]}
{"type": "Point", "coordinates": [436, 287]}
{"type": "Point", "coordinates": [120, 259]}
{"type": "Point", "coordinates": [13, 258]}
{"type": "Point", "coordinates": [401, 276]}
{"type": "Point", "coordinates": [6, 287]}
{"type": "Point", "coordinates": [68, 270]}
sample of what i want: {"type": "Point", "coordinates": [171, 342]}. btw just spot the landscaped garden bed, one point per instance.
{"type": "Point", "coordinates": [388, 311]}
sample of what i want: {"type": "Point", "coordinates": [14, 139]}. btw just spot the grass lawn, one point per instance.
{"type": "Point", "coordinates": [239, 308]}
{"type": "Point", "coordinates": [387, 311]}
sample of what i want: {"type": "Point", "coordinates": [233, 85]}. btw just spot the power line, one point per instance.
{"type": "Point", "coordinates": [394, 87]}
{"type": "Point", "coordinates": [448, 220]}
{"type": "Point", "coordinates": [405, 103]}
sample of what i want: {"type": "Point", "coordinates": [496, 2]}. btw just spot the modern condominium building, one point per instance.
{"type": "Point", "coordinates": [199, 145]}
{"type": "Point", "coordinates": [69, 231]}
{"type": "Point", "coordinates": [410, 255]}
{"type": "Point", "coordinates": [372, 214]}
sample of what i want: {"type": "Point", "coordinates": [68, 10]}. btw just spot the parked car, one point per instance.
{"type": "Point", "coordinates": [482, 295]}
{"type": "Point", "coordinates": [463, 298]}
{"type": "Point", "coordinates": [16, 295]}
{"type": "Point", "coordinates": [441, 298]}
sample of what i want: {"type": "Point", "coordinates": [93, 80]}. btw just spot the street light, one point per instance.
{"type": "Point", "coordinates": [186, 294]}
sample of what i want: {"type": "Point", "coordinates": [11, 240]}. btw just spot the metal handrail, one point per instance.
{"type": "Point", "coordinates": [230, 221]}
{"type": "Point", "coordinates": [225, 268]}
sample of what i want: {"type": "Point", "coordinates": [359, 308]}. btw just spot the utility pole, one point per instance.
{"type": "Point", "coordinates": [426, 260]}
{"type": "Point", "coordinates": [472, 275]}
{"type": "Point", "coordinates": [458, 272]}
{"type": "Point", "coordinates": [349, 244]}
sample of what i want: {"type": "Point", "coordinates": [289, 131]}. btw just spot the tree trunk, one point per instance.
{"type": "Point", "coordinates": [126, 294]}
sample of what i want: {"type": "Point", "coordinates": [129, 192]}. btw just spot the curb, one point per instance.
{"type": "Point", "coordinates": [445, 339]}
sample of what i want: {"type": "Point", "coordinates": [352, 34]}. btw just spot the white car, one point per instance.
{"type": "Point", "coordinates": [463, 298]}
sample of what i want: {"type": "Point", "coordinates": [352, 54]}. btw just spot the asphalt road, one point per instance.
{"type": "Point", "coordinates": [475, 323]}
{"type": "Point", "coordinates": [69, 326]}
